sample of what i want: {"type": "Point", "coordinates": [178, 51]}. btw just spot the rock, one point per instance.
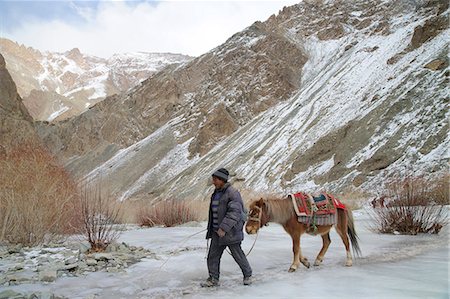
{"type": "Point", "coordinates": [112, 247]}
{"type": "Point", "coordinates": [71, 267]}
{"type": "Point", "coordinates": [112, 270]}
{"type": "Point", "coordinates": [48, 275]}
{"type": "Point", "coordinates": [123, 247]}
{"type": "Point", "coordinates": [15, 249]}
{"type": "Point", "coordinates": [428, 31]}
{"type": "Point", "coordinates": [103, 256]}
{"type": "Point", "coordinates": [91, 262]}
{"type": "Point", "coordinates": [46, 295]}
{"type": "Point", "coordinates": [70, 260]}
{"type": "Point", "coordinates": [12, 278]}
{"type": "Point", "coordinates": [18, 267]}
{"type": "Point", "coordinates": [84, 246]}
{"type": "Point", "coordinates": [437, 64]}
{"type": "Point", "coordinates": [8, 294]}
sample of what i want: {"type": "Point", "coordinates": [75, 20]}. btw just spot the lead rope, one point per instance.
{"type": "Point", "coordinates": [251, 248]}
{"type": "Point", "coordinates": [180, 244]}
{"type": "Point", "coordinates": [257, 233]}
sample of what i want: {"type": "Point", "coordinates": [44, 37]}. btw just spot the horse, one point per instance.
{"type": "Point", "coordinates": [282, 211]}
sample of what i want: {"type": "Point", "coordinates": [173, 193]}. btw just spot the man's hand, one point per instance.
{"type": "Point", "coordinates": [221, 233]}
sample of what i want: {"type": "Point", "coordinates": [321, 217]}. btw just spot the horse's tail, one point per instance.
{"type": "Point", "coordinates": [352, 233]}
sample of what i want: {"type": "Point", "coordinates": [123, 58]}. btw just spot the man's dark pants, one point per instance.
{"type": "Point", "coordinates": [215, 253]}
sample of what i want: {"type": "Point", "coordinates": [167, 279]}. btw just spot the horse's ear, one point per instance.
{"type": "Point", "coordinates": [261, 202]}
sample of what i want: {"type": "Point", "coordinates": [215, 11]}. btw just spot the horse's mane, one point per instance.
{"type": "Point", "coordinates": [280, 209]}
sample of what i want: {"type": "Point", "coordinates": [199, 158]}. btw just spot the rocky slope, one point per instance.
{"type": "Point", "coordinates": [16, 124]}
{"type": "Point", "coordinates": [56, 86]}
{"type": "Point", "coordinates": [326, 94]}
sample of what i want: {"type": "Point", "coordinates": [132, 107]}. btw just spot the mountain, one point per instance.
{"type": "Point", "coordinates": [16, 124]}
{"type": "Point", "coordinates": [335, 95]}
{"type": "Point", "coordinates": [56, 86]}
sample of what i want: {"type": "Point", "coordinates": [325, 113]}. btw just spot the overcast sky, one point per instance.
{"type": "Point", "coordinates": [103, 28]}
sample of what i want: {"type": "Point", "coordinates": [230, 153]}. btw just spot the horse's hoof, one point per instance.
{"type": "Point", "coordinates": [348, 263]}
{"type": "Point", "coordinates": [291, 270]}
{"type": "Point", "coordinates": [306, 264]}
{"type": "Point", "coordinates": [317, 263]}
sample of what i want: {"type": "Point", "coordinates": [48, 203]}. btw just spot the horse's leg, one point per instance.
{"type": "Point", "coordinates": [341, 229]}
{"type": "Point", "coordinates": [296, 250]}
{"type": "Point", "coordinates": [295, 230]}
{"type": "Point", "coordinates": [326, 241]}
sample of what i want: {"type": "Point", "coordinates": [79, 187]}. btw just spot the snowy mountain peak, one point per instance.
{"type": "Point", "coordinates": [80, 79]}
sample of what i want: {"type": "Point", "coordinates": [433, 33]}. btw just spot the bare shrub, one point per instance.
{"type": "Point", "coordinates": [100, 216]}
{"type": "Point", "coordinates": [169, 213]}
{"type": "Point", "coordinates": [411, 208]}
{"type": "Point", "coordinates": [439, 191]}
{"type": "Point", "coordinates": [38, 198]}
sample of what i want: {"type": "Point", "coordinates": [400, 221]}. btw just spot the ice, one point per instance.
{"type": "Point", "coordinates": [392, 266]}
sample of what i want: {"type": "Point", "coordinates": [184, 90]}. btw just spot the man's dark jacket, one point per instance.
{"type": "Point", "coordinates": [229, 215]}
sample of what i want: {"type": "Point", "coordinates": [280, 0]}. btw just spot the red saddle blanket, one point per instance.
{"type": "Point", "coordinates": [325, 207]}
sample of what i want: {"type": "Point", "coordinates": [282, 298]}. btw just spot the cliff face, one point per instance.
{"type": "Point", "coordinates": [16, 124]}
{"type": "Point", "coordinates": [326, 94]}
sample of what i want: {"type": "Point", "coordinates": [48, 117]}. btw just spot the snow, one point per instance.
{"type": "Point", "coordinates": [57, 113]}
{"type": "Point", "coordinates": [93, 72]}
{"type": "Point", "coordinates": [392, 266]}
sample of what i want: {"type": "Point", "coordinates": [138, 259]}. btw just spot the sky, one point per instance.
{"type": "Point", "coordinates": [103, 28]}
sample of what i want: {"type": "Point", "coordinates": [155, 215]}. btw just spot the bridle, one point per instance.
{"type": "Point", "coordinates": [256, 219]}
{"type": "Point", "coordinates": [259, 218]}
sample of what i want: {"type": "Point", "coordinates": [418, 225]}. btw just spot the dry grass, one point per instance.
{"type": "Point", "coordinates": [415, 206]}
{"type": "Point", "coordinates": [439, 191]}
{"type": "Point", "coordinates": [100, 214]}
{"type": "Point", "coordinates": [38, 198]}
{"type": "Point", "coordinates": [171, 213]}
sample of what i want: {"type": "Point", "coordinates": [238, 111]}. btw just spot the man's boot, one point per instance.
{"type": "Point", "coordinates": [210, 282]}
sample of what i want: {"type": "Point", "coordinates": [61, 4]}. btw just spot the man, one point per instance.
{"type": "Point", "coordinates": [225, 228]}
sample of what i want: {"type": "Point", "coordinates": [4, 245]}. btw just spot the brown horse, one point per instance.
{"type": "Point", "coordinates": [281, 211]}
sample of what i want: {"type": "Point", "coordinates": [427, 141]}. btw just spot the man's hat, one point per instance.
{"type": "Point", "coordinates": [222, 174]}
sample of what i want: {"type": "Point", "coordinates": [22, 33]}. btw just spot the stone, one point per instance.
{"type": "Point", "coordinates": [18, 267]}
{"type": "Point", "coordinates": [91, 262]}
{"type": "Point", "coordinates": [46, 295]}
{"type": "Point", "coordinates": [15, 249]}
{"type": "Point", "coordinates": [70, 260]}
{"type": "Point", "coordinates": [103, 256]}
{"type": "Point", "coordinates": [437, 64]}
{"type": "Point", "coordinates": [8, 294]}
{"type": "Point", "coordinates": [84, 246]}
{"type": "Point", "coordinates": [48, 275]}
{"type": "Point", "coordinates": [71, 267]}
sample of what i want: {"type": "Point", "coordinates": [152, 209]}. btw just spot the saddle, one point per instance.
{"type": "Point", "coordinates": [326, 204]}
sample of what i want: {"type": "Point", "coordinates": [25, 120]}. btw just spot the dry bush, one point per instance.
{"type": "Point", "coordinates": [439, 191]}
{"type": "Point", "coordinates": [411, 209]}
{"type": "Point", "coordinates": [100, 215]}
{"type": "Point", "coordinates": [38, 198]}
{"type": "Point", "coordinates": [170, 213]}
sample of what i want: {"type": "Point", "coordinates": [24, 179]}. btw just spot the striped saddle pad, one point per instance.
{"type": "Point", "coordinates": [326, 208]}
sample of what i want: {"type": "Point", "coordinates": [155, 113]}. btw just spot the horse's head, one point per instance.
{"type": "Point", "coordinates": [257, 216]}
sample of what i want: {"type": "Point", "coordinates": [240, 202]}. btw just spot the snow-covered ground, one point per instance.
{"type": "Point", "coordinates": [392, 266]}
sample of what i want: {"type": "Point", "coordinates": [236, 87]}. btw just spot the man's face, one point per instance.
{"type": "Point", "coordinates": [218, 183]}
